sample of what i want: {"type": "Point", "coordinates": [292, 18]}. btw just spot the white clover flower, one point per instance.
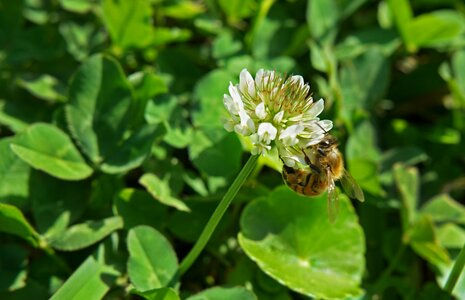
{"type": "Point", "coordinates": [275, 110]}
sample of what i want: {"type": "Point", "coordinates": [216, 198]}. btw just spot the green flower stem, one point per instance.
{"type": "Point", "coordinates": [456, 271]}
{"type": "Point", "coordinates": [218, 214]}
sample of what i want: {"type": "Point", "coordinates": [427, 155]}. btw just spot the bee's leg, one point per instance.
{"type": "Point", "coordinates": [314, 168]}
{"type": "Point", "coordinates": [307, 159]}
{"type": "Point", "coordinates": [310, 164]}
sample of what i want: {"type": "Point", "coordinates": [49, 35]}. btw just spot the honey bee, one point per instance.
{"type": "Point", "coordinates": [325, 165]}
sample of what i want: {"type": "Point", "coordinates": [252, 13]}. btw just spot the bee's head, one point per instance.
{"type": "Point", "coordinates": [329, 141]}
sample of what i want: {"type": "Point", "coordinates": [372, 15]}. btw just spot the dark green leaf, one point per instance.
{"type": "Point", "coordinates": [139, 208]}
{"type": "Point", "coordinates": [99, 100]}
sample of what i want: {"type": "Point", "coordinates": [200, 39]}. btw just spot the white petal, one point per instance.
{"type": "Point", "coordinates": [315, 109]}
{"type": "Point", "coordinates": [260, 111]}
{"type": "Point", "coordinates": [246, 83]}
{"type": "Point", "coordinates": [236, 96]}
{"type": "Point", "coordinates": [246, 126]}
{"type": "Point", "coordinates": [229, 126]}
{"type": "Point", "coordinates": [278, 117]}
{"type": "Point", "coordinates": [298, 79]}
{"type": "Point", "coordinates": [259, 78]}
{"type": "Point", "coordinates": [230, 105]}
{"type": "Point", "coordinates": [267, 132]}
{"type": "Point", "coordinates": [289, 135]}
{"type": "Point", "coordinates": [326, 125]}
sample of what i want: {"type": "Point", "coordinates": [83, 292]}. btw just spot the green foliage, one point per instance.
{"type": "Point", "coordinates": [113, 155]}
{"type": "Point", "coordinates": [282, 233]}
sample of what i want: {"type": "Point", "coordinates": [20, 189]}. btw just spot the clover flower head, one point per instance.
{"type": "Point", "coordinates": [275, 110]}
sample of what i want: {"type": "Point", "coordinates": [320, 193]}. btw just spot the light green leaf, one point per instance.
{"type": "Point", "coordinates": [362, 143]}
{"type": "Point", "coordinates": [80, 39]}
{"type": "Point", "coordinates": [99, 101]}
{"type": "Point", "coordinates": [14, 176]}
{"type": "Point", "coordinates": [129, 22]}
{"type": "Point", "coordinates": [158, 294]}
{"type": "Point", "coordinates": [322, 17]}
{"type": "Point", "coordinates": [225, 45]}
{"type": "Point", "coordinates": [78, 6]}
{"type": "Point", "coordinates": [221, 293]}
{"type": "Point", "coordinates": [208, 92]}
{"type": "Point", "coordinates": [435, 28]}
{"type": "Point", "coordinates": [183, 10]}
{"type": "Point", "coordinates": [365, 173]}
{"type": "Point", "coordinates": [364, 80]}
{"type": "Point", "coordinates": [403, 14]}
{"type": "Point", "coordinates": [422, 237]}
{"type": "Point", "coordinates": [291, 239]}
{"type": "Point", "coordinates": [458, 65]}
{"type": "Point", "coordinates": [44, 87]}
{"type": "Point", "coordinates": [88, 282]}
{"type": "Point", "coordinates": [237, 9]}
{"type": "Point", "coordinates": [161, 191]}
{"type": "Point", "coordinates": [451, 236]}
{"type": "Point", "coordinates": [443, 275]}
{"type": "Point", "coordinates": [47, 148]}
{"type": "Point", "coordinates": [443, 208]}
{"type": "Point", "coordinates": [166, 110]}
{"type": "Point", "coordinates": [12, 221]}
{"type": "Point", "coordinates": [85, 234]}
{"type": "Point", "coordinates": [407, 181]}
{"type": "Point", "coordinates": [152, 261]}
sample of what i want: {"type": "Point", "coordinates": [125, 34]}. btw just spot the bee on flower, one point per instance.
{"type": "Point", "coordinates": [275, 110]}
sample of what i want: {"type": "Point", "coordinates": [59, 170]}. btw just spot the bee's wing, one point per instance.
{"type": "Point", "coordinates": [351, 187]}
{"type": "Point", "coordinates": [333, 200]}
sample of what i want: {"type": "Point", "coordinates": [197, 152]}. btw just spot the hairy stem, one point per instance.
{"type": "Point", "coordinates": [217, 215]}
{"type": "Point", "coordinates": [456, 271]}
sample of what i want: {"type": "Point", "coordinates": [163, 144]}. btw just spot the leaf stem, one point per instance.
{"type": "Point", "coordinates": [456, 271]}
{"type": "Point", "coordinates": [218, 214]}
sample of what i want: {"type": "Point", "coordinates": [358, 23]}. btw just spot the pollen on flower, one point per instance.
{"type": "Point", "coordinates": [275, 110]}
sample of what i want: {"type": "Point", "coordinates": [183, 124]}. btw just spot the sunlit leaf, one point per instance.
{"type": "Point", "coordinates": [87, 282]}
{"type": "Point", "coordinates": [128, 22]}
{"type": "Point", "coordinates": [158, 294]}
{"type": "Point", "coordinates": [47, 148]}
{"type": "Point", "coordinates": [220, 293]}
{"type": "Point", "coordinates": [12, 221]}
{"type": "Point", "coordinates": [152, 261]}
{"type": "Point", "coordinates": [85, 234]}
{"type": "Point", "coordinates": [14, 176]}
{"type": "Point", "coordinates": [407, 181]}
{"type": "Point", "coordinates": [282, 233]}
{"type": "Point", "coordinates": [160, 190]}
